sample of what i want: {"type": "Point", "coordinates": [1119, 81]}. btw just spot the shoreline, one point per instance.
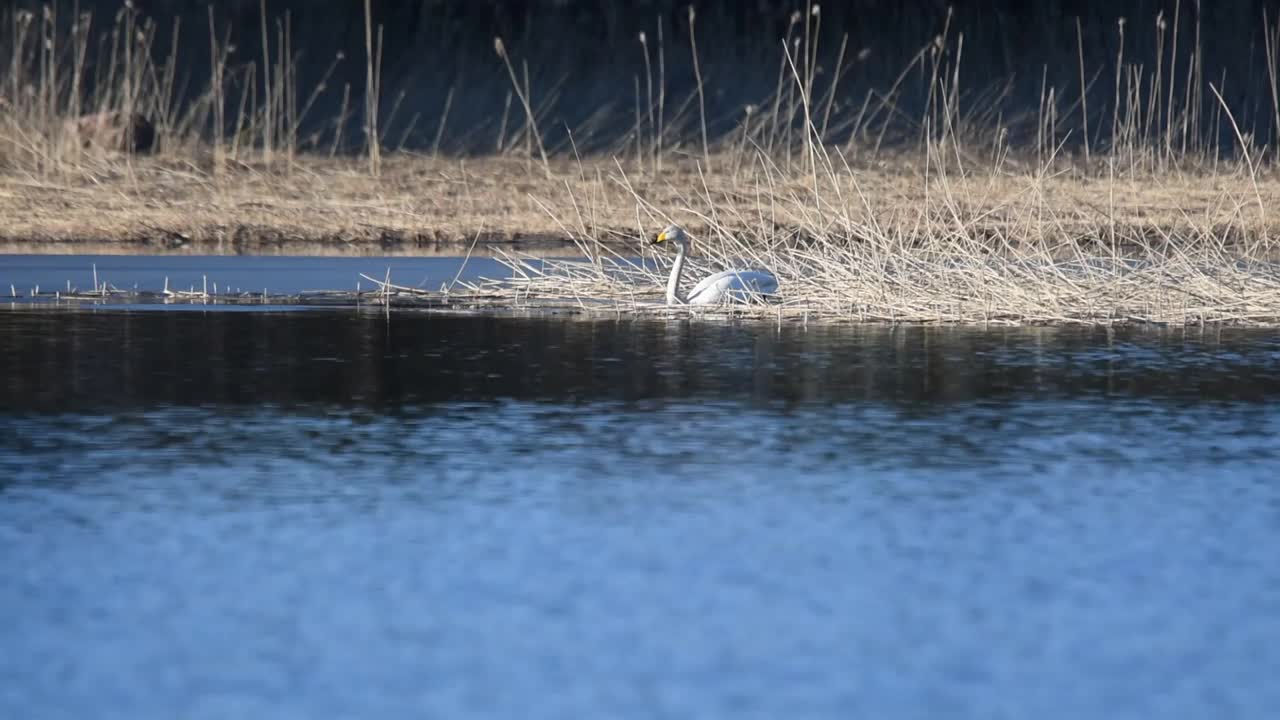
{"type": "Point", "coordinates": [273, 244]}
{"type": "Point", "coordinates": [432, 207]}
{"type": "Point", "coordinates": [884, 242]}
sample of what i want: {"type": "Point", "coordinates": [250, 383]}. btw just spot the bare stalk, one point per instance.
{"type": "Point", "coordinates": [501, 49]}
{"type": "Point", "coordinates": [1084, 101]}
{"type": "Point", "coordinates": [372, 65]}
{"type": "Point", "coordinates": [268, 106]}
{"type": "Point", "coordinates": [702, 105]}
{"type": "Point", "coordinates": [444, 120]}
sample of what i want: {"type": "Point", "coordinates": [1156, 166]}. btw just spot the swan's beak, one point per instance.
{"type": "Point", "coordinates": [662, 237]}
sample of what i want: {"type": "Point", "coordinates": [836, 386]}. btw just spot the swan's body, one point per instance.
{"type": "Point", "coordinates": [725, 286]}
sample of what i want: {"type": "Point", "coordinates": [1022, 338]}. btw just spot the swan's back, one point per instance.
{"type": "Point", "coordinates": [733, 286]}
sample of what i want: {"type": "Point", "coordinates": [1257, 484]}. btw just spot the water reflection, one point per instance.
{"type": "Point", "coordinates": [113, 361]}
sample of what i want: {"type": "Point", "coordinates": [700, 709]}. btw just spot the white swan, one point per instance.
{"type": "Point", "coordinates": [729, 285]}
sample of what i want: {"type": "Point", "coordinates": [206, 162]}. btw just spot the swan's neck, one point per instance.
{"type": "Point", "coordinates": [673, 282]}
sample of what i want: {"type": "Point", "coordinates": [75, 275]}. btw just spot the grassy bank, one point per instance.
{"type": "Point", "coordinates": [1158, 211]}
{"type": "Point", "coordinates": [421, 205]}
{"type": "Point", "coordinates": [900, 240]}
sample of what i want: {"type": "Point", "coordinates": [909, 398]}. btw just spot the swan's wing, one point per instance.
{"type": "Point", "coordinates": [733, 285]}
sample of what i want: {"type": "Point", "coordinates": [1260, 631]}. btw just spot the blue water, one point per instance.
{"type": "Point", "coordinates": [347, 514]}
{"type": "Point", "coordinates": [275, 275]}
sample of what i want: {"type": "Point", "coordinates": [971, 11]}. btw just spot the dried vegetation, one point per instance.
{"type": "Point", "coordinates": [968, 215]}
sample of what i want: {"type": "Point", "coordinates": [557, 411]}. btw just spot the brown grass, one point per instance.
{"type": "Point", "coordinates": [990, 247]}
{"type": "Point", "coordinates": [957, 225]}
{"type": "Point", "coordinates": [898, 242]}
{"type": "Point", "coordinates": [421, 204]}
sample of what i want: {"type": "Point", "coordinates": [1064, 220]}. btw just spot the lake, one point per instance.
{"type": "Point", "coordinates": [277, 275]}
{"type": "Point", "coordinates": [342, 513]}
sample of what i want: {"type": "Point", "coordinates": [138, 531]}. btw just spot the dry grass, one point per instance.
{"type": "Point", "coordinates": [1158, 224]}
{"type": "Point", "coordinates": [891, 243]}
{"type": "Point", "coordinates": [421, 204]}
{"type": "Point", "coordinates": [989, 248]}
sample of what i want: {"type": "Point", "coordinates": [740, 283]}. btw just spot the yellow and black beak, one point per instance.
{"type": "Point", "coordinates": [662, 237]}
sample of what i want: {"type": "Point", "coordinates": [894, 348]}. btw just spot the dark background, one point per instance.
{"type": "Point", "coordinates": [585, 60]}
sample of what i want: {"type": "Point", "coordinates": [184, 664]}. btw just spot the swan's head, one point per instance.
{"type": "Point", "coordinates": [673, 234]}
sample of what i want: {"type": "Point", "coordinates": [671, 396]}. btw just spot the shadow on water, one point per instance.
{"type": "Point", "coordinates": [419, 390]}
{"type": "Point", "coordinates": [120, 361]}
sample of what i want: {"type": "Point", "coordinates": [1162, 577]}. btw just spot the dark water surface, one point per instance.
{"type": "Point", "coordinates": [341, 514]}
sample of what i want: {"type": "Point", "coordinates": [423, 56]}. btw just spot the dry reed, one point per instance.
{"type": "Point", "coordinates": [959, 213]}
{"type": "Point", "coordinates": [941, 263]}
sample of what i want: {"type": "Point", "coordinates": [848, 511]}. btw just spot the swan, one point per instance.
{"type": "Point", "coordinates": [729, 285]}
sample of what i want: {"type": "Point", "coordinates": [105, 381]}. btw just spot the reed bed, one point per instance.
{"type": "Point", "coordinates": [934, 287]}
{"type": "Point", "coordinates": [956, 272]}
